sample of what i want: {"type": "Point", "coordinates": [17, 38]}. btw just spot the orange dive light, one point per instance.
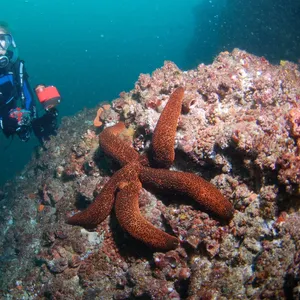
{"type": "Point", "coordinates": [48, 96]}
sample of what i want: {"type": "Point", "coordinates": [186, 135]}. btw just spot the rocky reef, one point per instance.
{"type": "Point", "coordinates": [239, 129]}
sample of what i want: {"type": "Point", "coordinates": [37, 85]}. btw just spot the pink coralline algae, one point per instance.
{"type": "Point", "coordinates": [239, 129]}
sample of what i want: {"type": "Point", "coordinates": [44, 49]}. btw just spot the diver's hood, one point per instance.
{"type": "Point", "coordinates": [8, 45]}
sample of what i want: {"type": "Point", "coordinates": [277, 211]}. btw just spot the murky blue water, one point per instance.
{"type": "Point", "coordinates": [94, 49]}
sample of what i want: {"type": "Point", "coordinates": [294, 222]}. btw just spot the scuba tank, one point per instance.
{"type": "Point", "coordinates": [48, 96]}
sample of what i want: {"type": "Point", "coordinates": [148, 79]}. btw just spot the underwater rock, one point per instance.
{"type": "Point", "coordinates": [239, 129]}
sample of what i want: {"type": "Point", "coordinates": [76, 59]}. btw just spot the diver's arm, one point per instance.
{"type": "Point", "coordinates": [27, 96]}
{"type": "Point", "coordinates": [30, 103]}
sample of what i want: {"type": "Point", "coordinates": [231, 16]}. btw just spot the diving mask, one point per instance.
{"type": "Point", "coordinates": [8, 49]}
{"type": "Point", "coordinates": [6, 40]}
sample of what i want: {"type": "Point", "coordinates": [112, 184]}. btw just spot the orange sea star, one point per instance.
{"type": "Point", "coordinates": [124, 186]}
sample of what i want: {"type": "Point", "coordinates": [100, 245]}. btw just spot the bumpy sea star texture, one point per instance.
{"type": "Point", "coordinates": [239, 130]}
{"type": "Point", "coordinates": [165, 130]}
{"type": "Point", "coordinates": [134, 173]}
{"type": "Point", "coordinates": [129, 216]}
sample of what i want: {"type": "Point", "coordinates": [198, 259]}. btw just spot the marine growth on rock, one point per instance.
{"type": "Point", "coordinates": [233, 128]}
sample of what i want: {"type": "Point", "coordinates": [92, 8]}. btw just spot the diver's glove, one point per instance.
{"type": "Point", "coordinates": [17, 121]}
{"type": "Point", "coordinates": [23, 133]}
{"type": "Point", "coordinates": [22, 116]}
{"type": "Point", "coordinates": [51, 115]}
{"type": "Point", "coordinates": [46, 125]}
{"type": "Point", "coordinates": [52, 111]}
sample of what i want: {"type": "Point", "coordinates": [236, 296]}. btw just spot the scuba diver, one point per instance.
{"type": "Point", "coordinates": [18, 114]}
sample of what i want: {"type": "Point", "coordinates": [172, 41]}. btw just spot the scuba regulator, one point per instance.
{"type": "Point", "coordinates": [8, 50]}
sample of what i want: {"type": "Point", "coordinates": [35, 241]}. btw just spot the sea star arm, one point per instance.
{"type": "Point", "coordinates": [191, 185]}
{"type": "Point", "coordinates": [115, 147]}
{"type": "Point", "coordinates": [103, 203]}
{"type": "Point", "coordinates": [165, 130]}
{"type": "Point", "coordinates": [129, 216]}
